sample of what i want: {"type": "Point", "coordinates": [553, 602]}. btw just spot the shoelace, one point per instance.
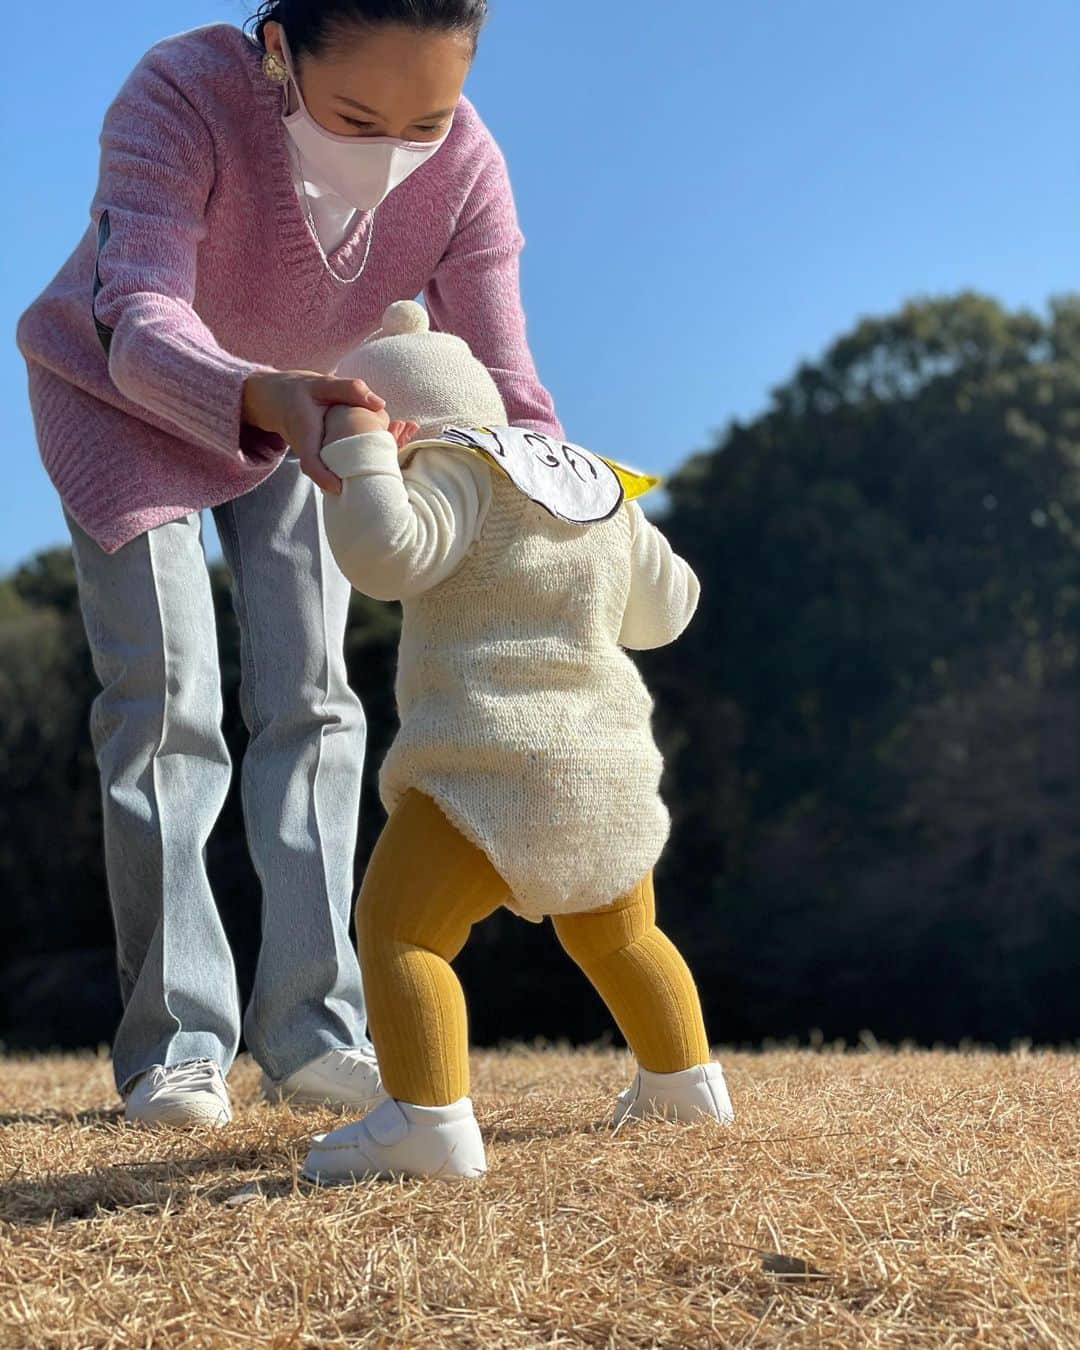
{"type": "Point", "coordinates": [354, 1059]}
{"type": "Point", "coordinates": [198, 1073]}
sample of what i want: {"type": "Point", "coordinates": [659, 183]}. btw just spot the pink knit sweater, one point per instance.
{"type": "Point", "coordinates": [210, 271]}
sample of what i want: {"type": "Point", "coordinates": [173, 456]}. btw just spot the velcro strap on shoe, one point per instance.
{"type": "Point", "coordinates": [387, 1124]}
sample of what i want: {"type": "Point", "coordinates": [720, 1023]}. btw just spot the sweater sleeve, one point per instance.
{"type": "Point", "coordinates": [663, 588]}
{"type": "Point", "coordinates": [396, 535]}
{"type": "Point", "coordinates": [157, 173]}
{"type": "Point", "coordinates": [476, 294]}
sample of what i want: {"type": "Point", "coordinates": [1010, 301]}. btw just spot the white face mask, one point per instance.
{"type": "Point", "coordinates": [363, 170]}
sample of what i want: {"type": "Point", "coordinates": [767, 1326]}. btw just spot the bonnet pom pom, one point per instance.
{"type": "Point", "coordinates": [404, 316]}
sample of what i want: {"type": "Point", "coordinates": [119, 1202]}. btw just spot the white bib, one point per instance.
{"type": "Point", "coordinates": [567, 480]}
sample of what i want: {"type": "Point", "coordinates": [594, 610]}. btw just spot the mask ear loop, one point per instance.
{"type": "Point", "coordinates": [290, 84]}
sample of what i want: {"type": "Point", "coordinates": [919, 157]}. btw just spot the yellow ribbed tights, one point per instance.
{"type": "Point", "coordinates": [426, 885]}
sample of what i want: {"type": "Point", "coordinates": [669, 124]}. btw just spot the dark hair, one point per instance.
{"type": "Point", "coordinates": [310, 24]}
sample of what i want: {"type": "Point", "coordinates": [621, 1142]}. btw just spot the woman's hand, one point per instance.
{"type": "Point", "coordinates": [292, 404]}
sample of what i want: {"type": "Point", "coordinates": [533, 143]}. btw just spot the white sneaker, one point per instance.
{"type": "Point", "coordinates": [400, 1140]}
{"type": "Point", "coordinates": [689, 1095]}
{"type": "Point", "coordinates": [193, 1093]}
{"type": "Point", "coordinates": [345, 1078]}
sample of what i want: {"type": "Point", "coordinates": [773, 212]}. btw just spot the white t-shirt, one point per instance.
{"type": "Point", "coordinates": [334, 217]}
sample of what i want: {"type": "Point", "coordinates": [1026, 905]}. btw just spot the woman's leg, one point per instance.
{"type": "Point", "coordinates": [425, 887]}
{"type": "Point", "coordinates": [156, 728]}
{"type": "Point", "coordinates": [641, 977]}
{"type": "Point", "coordinates": [302, 771]}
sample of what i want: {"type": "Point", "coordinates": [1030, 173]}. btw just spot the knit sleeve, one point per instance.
{"type": "Point", "coordinates": [476, 294]}
{"type": "Point", "coordinates": [157, 173]}
{"type": "Point", "coordinates": [396, 535]}
{"type": "Point", "coordinates": [663, 588]}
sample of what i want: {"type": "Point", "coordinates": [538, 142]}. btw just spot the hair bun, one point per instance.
{"type": "Point", "coordinates": [404, 316]}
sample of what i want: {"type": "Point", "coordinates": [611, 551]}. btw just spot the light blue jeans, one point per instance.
{"type": "Point", "coordinates": [165, 771]}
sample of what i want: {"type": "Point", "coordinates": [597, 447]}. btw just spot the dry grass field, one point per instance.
{"type": "Point", "coordinates": [879, 1199]}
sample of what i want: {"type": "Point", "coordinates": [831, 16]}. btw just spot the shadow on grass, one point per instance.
{"type": "Point", "coordinates": [150, 1187]}
{"type": "Point", "coordinates": [216, 1177]}
{"type": "Point", "coordinates": [104, 1115]}
{"type": "Point", "coordinates": [512, 1134]}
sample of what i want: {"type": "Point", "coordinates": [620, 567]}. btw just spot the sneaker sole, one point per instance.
{"type": "Point", "coordinates": [310, 1099]}
{"type": "Point", "coordinates": [279, 1096]}
{"type": "Point", "coordinates": [324, 1181]}
{"type": "Point", "coordinates": [186, 1122]}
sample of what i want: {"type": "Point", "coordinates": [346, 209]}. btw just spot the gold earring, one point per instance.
{"type": "Point", "coordinates": [274, 68]}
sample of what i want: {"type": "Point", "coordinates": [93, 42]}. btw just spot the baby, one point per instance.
{"type": "Point", "coordinates": [524, 773]}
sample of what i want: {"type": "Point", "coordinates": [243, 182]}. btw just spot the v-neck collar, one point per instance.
{"type": "Point", "coordinates": [300, 249]}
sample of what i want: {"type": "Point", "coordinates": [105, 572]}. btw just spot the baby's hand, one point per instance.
{"type": "Point", "coordinates": [403, 433]}
{"type": "Point", "coordinates": [342, 421]}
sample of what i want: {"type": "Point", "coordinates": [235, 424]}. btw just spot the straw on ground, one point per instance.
{"type": "Point", "coordinates": [863, 1199]}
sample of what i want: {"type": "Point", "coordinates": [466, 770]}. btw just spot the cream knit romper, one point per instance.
{"type": "Point", "coordinates": [521, 714]}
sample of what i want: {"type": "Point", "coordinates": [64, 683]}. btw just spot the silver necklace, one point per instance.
{"type": "Point", "coordinates": [342, 281]}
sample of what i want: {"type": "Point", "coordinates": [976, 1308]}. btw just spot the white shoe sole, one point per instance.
{"type": "Point", "coordinates": [180, 1118]}
{"type": "Point", "coordinates": [324, 1178]}
{"type": "Point", "coordinates": [279, 1095]}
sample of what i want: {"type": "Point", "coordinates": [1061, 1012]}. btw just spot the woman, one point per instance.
{"type": "Point", "coordinates": [259, 206]}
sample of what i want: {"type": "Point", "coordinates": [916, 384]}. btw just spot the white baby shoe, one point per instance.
{"type": "Point", "coordinates": [346, 1078]}
{"type": "Point", "coordinates": [398, 1139]}
{"type": "Point", "coordinates": [692, 1094]}
{"type": "Point", "coordinates": [192, 1093]}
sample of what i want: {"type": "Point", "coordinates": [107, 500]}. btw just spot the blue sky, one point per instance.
{"type": "Point", "coordinates": [711, 189]}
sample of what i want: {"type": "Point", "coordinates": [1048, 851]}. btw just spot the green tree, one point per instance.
{"type": "Point", "coordinates": [50, 817]}
{"type": "Point", "coordinates": [896, 534]}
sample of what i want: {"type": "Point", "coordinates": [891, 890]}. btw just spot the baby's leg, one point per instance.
{"type": "Point", "coordinates": [425, 886]}
{"type": "Point", "coordinates": [641, 977]}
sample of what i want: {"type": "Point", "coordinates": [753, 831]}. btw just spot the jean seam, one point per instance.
{"type": "Point", "coordinates": [150, 541]}
{"type": "Point", "coordinates": [321, 552]}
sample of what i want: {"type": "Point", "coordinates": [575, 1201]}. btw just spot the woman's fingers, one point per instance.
{"type": "Point", "coordinates": [320, 475]}
{"type": "Point", "coordinates": [305, 426]}
{"type": "Point", "coordinates": [353, 392]}
{"type": "Point", "coordinates": [305, 436]}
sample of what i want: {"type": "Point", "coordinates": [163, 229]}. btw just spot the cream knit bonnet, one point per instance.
{"type": "Point", "coordinates": [428, 378]}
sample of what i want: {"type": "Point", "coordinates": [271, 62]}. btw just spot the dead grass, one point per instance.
{"type": "Point", "coordinates": [909, 1199]}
